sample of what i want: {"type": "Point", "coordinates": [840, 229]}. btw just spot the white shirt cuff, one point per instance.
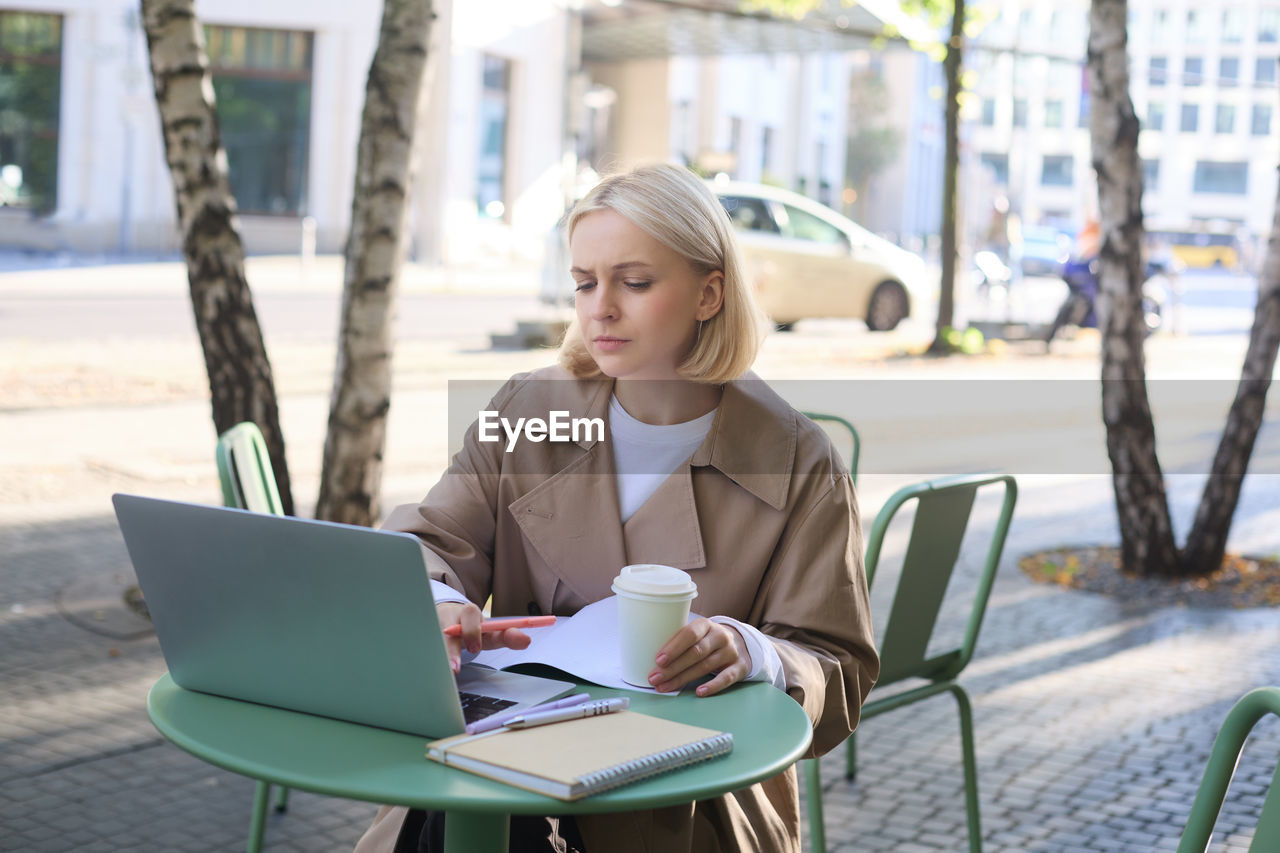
{"type": "Point", "coordinates": [766, 665]}
{"type": "Point", "coordinates": [442, 592]}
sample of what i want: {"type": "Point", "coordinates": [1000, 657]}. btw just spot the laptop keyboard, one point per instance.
{"type": "Point", "coordinates": [476, 707]}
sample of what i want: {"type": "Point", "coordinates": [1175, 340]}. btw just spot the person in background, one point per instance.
{"type": "Point", "coordinates": [702, 467]}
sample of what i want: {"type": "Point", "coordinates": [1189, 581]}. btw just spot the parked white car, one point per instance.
{"type": "Point", "coordinates": [806, 260]}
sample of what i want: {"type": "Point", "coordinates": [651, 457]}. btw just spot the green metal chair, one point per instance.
{"type": "Point", "coordinates": [841, 432]}
{"type": "Point", "coordinates": [248, 482]}
{"type": "Point", "coordinates": [942, 514]}
{"type": "Point", "coordinates": [1242, 717]}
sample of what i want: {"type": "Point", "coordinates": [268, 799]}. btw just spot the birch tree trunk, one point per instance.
{"type": "Point", "coordinates": [947, 286]}
{"type": "Point", "coordinates": [1207, 542]}
{"type": "Point", "coordinates": [240, 382]}
{"type": "Point", "coordinates": [1146, 533]}
{"type": "Point", "coordinates": [351, 475]}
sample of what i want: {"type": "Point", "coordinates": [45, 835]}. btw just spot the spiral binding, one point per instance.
{"type": "Point", "coordinates": [652, 765]}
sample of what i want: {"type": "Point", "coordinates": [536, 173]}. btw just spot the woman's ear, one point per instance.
{"type": "Point", "coordinates": [711, 296]}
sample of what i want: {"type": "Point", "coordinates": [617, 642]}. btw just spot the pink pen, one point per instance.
{"type": "Point", "coordinates": [491, 626]}
{"type": "Point", "coordinates": [497, 721]}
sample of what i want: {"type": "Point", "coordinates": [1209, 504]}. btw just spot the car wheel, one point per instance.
{"type": "Point", "coordinates": [888, 306]}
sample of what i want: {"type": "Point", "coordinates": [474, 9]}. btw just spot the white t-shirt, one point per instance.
{"type": "Point", "coordinates": [644, 455]}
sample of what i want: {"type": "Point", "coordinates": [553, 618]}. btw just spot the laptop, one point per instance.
{"type": "Point", "coordinates": [329, 619]}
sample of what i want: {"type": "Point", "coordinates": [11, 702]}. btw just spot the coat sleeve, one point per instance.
{"type": "Point", "coordinates": [457, 520]}
{"type": "Point", "coordinates": [815, 608]}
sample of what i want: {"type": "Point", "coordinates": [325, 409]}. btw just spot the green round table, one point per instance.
{"type": "Point", "coordinates": [354, 761]}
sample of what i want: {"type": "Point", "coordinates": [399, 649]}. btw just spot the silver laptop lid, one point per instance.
{"type": "Point", "coordinates": [313, 616]}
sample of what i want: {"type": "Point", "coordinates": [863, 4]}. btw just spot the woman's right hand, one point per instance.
{"type": "Point", "coordinates": [469, 617]}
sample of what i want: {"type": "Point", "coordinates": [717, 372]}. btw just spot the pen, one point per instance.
{"type": "Point", "coordinates": [491, 626]}
{"type": "Point", "coordinates": [497, 721]}
{"type": "Point", "coordinates": [589, 709]}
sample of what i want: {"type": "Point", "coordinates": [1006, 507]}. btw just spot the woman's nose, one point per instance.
{"type": "Point", "coordinates": [604, 305]}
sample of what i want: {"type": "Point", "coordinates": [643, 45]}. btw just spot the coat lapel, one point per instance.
{"type": "Point", "coordinates": [572, 520]}
{"type": "Point", "coordinates": [665, 529]}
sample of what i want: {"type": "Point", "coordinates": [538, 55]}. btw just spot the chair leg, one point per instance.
{"type": "Point", "coordinates": [970, 767]}
{"type": "Point", "coordinates": [851, 758]}
{"type": "Point", "coordinates": [282, 798]}
{"type": "Point", "coordinates": [258, 821]}
{"type": "Point", "coordinates": [813, 799]}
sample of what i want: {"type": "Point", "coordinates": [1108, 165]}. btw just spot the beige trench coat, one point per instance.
{"type": "Point", "coordinates": [763, 516]}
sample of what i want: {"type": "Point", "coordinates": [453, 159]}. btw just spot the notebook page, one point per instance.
{"type": "Point", "coordinates": [584, 645]}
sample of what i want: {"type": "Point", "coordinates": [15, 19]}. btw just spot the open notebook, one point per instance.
{"type": "Point", "coordinates": [577, 758]}
{"type": "Point", "coordinates": [584, 644]}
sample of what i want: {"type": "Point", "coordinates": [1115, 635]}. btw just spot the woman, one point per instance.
{"type": "Point", "coordinates": [703, 467]}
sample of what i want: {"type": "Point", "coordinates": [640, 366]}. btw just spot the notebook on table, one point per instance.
{"type": "Point", "coordinates": [312, 616]}
{"type": "Point", "coordinates": [577, 758]}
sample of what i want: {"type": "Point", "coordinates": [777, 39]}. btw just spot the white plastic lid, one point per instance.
{"type": "Point", "coordinates": [655, 580]}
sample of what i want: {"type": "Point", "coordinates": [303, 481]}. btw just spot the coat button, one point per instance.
{"type": "Point", "coordinates": [534, 609]}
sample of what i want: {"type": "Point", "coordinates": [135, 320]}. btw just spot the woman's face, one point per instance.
{"type": "Point", "coordinates": [638, 301]}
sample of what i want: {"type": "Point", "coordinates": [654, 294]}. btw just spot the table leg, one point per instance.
{"type": "Point", "coordinates": [476, 832]}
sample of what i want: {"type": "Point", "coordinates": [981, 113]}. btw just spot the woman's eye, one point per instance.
{"type": "Point", "coordinates": [584, 286]}
{"type": "Point", "coordinates": [638, 285]}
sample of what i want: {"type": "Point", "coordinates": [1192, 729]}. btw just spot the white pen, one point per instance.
{"type": "Point", "coordinates": [588, 709]}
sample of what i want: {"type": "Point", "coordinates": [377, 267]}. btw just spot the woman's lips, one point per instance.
{"type": "Point", "coordinates": [608, 344]}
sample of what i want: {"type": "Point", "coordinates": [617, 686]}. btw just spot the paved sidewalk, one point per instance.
{"type": "Point", "coordinates": [1093, 719]}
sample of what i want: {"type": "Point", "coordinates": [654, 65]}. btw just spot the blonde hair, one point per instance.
{"type": "Point", "coordinates": [677, 209]}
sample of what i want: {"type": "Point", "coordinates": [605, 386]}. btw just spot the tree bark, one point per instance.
{"type": "Point", "coordinates": [240, 381]}
{"type": "Point", "coordinates": [1207, 542]}
{"type": "Point", "coordinates": [947, 285]}
{"type": "Point", "coordinates": [351, 475]}
{"type": "Point", "coordinates": [1146, 533]}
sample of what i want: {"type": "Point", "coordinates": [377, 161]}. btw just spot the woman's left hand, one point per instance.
{"type": "Point", "coordinates": [700, 648]}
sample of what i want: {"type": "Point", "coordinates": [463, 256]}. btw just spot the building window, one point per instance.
{"type": "Point", "coordinates": [1222, 178]}
{"type": "Point", "coordinates": [1233, 25]}
{"type": "Point", "coordinates": [1269, 24]}
{"type": "Point", "coordinates": [1260, 124]}
{"type": "Point", "coordinates": [1053, 113]}
{"type": "Point", "coordinates": [262, 79]}
{"type": "Point", "coordinates": [1265, 69]}
{"type": "Point", "coordinates": [1150, 174]}
{"type": "Point", "coordinates": [491, 165]}
{"type": "Point", "coordinates": [1019, 112]}
{"type": "Point", "coordinates": [1190, 118]}
{"type": "Point", "coordinates": [1192, 71]}
{"type": "Point", "coordinates": [1224, 119]}
{"type": "Point", "coordinates": [766, 149]}
{"type": "Point", "coordinates": [999, 166]}
{"type": "Point", "coordinates": [1057, 170]}
{"type": "Point", "coordinates": [1155, 116]}
{"type": "Point", "coordinates": [1157, 70]}
{"type": "Point", "coordinates": [988, 112]}
{"type": "Point", "coordinates": [1228, 71]}
{"type": "Point", "coordinates": [30, 88]}
{"type": "Point", "coordinates": [1160, 26]}
{"type": "Point", "coordinates": [1197, 27]}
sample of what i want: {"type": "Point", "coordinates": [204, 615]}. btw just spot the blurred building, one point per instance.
{"type": "Point", "coordinates": [529, 93]}
{"type": "Point", "coordinates": [1203, 82]}
{"type": "Point", "coordinates": [81, 155]}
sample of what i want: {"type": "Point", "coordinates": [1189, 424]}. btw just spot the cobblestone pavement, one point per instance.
{"type": "Point", "coordinates": [1093, 718]}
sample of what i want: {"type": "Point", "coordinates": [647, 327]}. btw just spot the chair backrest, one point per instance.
{"type": "Point", "coordinates": [942, 514]}
{"type": "Point", "coordinates": [244, 468]}
{"type": "Point", "coordinates": [1242, 717]}
{"type": "Point", "coordinates": [841, 427]}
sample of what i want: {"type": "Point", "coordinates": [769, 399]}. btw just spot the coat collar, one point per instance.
{"type": "Point", "coordinates": [572, 518]}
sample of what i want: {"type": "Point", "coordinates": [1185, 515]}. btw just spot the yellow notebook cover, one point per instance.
{"type": "Point", "coordinates": [573, 759]}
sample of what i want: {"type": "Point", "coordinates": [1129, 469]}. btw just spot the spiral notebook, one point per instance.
{"type": "Point", "coordinates": [577, 758]}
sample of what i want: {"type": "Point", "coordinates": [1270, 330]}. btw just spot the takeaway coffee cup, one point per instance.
{"type": "Point", "coordinates": [653, 603]}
